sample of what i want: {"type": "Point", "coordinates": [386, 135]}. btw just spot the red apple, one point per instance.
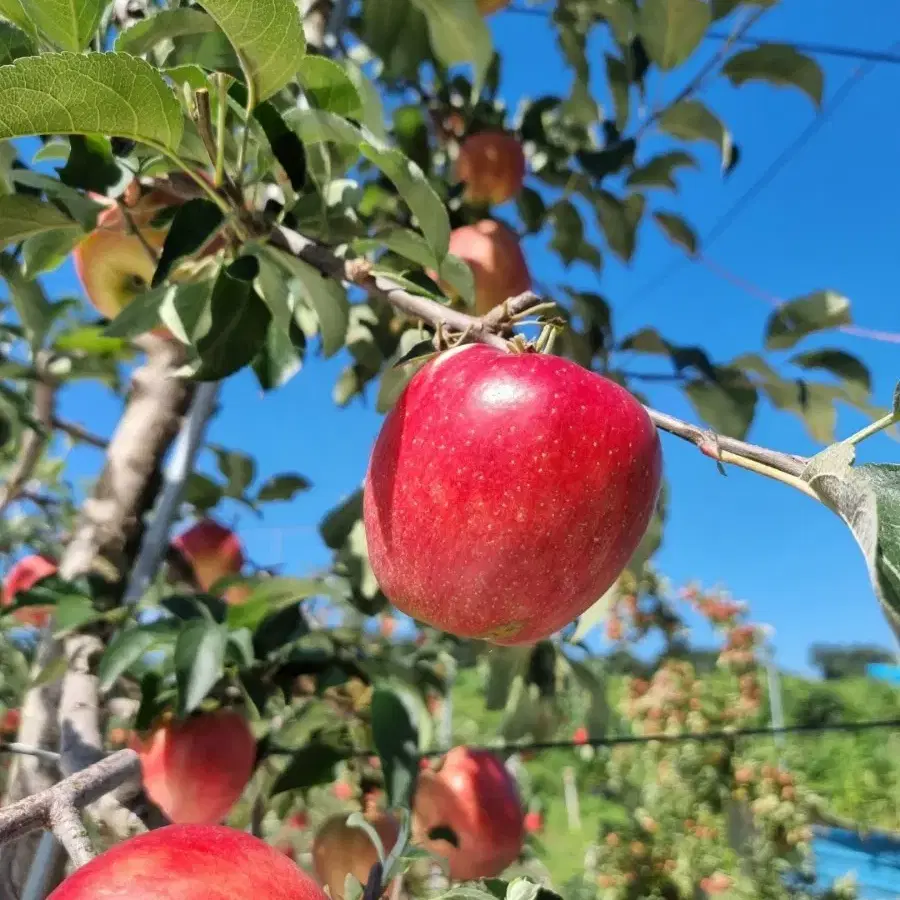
{"type": "Point", "coordinates": [580, 736]}
{"type": "Point", "coordinates": [214, 552]}
{"type": "Point", "coordinates": [475, 796]}
{"type": "Point", "coordinates": [190, 862]}
{"type": "Point", "coordinates": [340, 850]}
{"type": "Point", "coordinates": [495, 257]}
{"type": "Point", "coordinates": [9, 723]}
{"type": "Point", "coordinates": [506, 492]}
{"type": "Point", "coordinates": [23, 576]}
{"type": "Point", "coordinates": [492, 166]}
{"type": "Point", "coordinates": [534, 822]}
{"type": "Point", "coordinates": [195, 770]}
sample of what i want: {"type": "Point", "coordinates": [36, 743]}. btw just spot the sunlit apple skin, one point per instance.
{"type": "Point", "coordinates": [190, 862]}
{"type": "Point", "coordinates": [496, 259]}
{"type": "Point", "coordinates": [506, 492]}
{"type": "Point", "coordinates": [492, 166]}
{"type": "Point", "coordinates": [196, 770]}
{"type": "Point", "coordinates": [213, 552]}
{"type": "Point", "coordinates": [114, 265]}
{"type": "Point", "coordinates": [486, 7]}
{"type": "Point", "coordinates": [340, 850]}
{"type": "Point", "coordinates": [475, 796]}
{"type": "Point", "coordinates": [23, 576]}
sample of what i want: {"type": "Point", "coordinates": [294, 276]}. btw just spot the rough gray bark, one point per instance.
{"type": "Point", "coordinates": [64, 712]}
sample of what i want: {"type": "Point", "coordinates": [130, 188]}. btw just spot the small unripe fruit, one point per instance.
{"type": "Point", "coordinates": [9, 724]}
{"type": "Point", "coordinates": [486, 7]}
{"type": "Point", "coordinates": [581, 735]}
{"type": "Point", "coordinates": [496, 259]}
{"type": "Point", "coordinates": [528, 483]}
{"type": "Point", "coordinates": [23, 576]}
{"type": "Point", "coordinates": [492, 166]}
{"type": "Point", "coordinates": [190, 862]}
{"type": "Point", "coordinates": [196, 770]}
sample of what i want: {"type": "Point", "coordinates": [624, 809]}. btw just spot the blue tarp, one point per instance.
{"type": "Point", "coordinates": [874, 860]}
{"type": "Point", "coordinates": [884, 672]}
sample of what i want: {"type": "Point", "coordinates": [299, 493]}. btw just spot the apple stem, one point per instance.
{"type": "Point", "coordinates": [221, 119]}
{"type": "Point", "coordinates": [872, 428]}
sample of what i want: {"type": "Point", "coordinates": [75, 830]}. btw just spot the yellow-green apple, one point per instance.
{"type": "Point", "coordinates": [474, 795]}
{"type": "Point", "coordinates": [491, 164]}
{"type": "Point", "coordinates": [495, 257]}
{"type": "Point", "coordinates": [506, 492]}
{"type": "Point", "coordinates": [195, 770]}
{"type": "Point", "coordinates": [214, 552]}
{"type": "Point", "coordinates": [190, 862]}
{"type": "Point", "coordinates": [23, 576]}
{"type": "Point", "coordinates": [340, 850]}
{"type": "Point", "coordinates": [115, 264]}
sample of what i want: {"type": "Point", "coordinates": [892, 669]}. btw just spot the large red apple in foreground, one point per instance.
{"type": "Point", "coordinates": [506, 492]}
{"type": "Point", "coordinates": [190, 862]}
{"type": "Point", "coordinates": [23, 576]}
{"type": "Point", "coordinates": [196, 770]}
{"type": "Point", "coordinates": [475, 796]}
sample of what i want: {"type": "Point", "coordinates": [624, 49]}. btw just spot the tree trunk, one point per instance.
{"type": "Point", "coordinates": [64, 712]}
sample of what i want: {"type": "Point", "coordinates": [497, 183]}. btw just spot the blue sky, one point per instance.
{"type": "Point", "coordinates": [830, 220]}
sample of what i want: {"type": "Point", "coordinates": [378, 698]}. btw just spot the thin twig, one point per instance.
{"type": "Point", "coordinates": [77, 791]}
{"type": "Point", "coordinates": [76, 432]}
{"type": "Point", "coordinates": [35, 439]}
{"type": "Point", "coordinates": [489, 329]}
{"type": "Point", "coordinates": [27, 750]}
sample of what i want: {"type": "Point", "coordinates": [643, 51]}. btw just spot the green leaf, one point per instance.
{"type": "Point", "coordinates": [659, 171]}
{"type": "Point", "coordinates": [67, 24]}
{"type": "Point", "coordinates": [843, 365]}
{"type": "Point", "coordinates": [90, 165]}
{"type": "Point", "coordinates": [612, 159]}
{"type": "Point", "coordinates": [419, 195]}
{"type": "Point", "coordinates": [672, 29]}
{"type": "Point", "coordinates": [45, 252]}
{"type": "Point", "coordinates": [412, 353]}
{"type": "Point", "coordinates": [413, 246]}
{"type": "Point", "coordinates": [728, 404]}
{"type": "Point", "coordinates": [72, 612]}
{"type": "Point", "coordinates": [237, 323]}
{"type": "Point", "coordinates": [282, 487]}
{"type": "Point", "coordinates": [268, 36]}
{"type": "Point", "coordinates": [34, 310]}
{"type": "Point", "coordinates": [779, 64]}
{"type": "Point", "coordinates": [397, 32]}
{"type": "Point", "coordinates": [335, 528]}
{"type": "Point", "coordinates": [805, 315]}
{"type": "Point", "coordinates": [201, 492]}
{"type": "Point", "coordinates": [278, 360]}
{"type": "Point", "coordinates": [193, 225]}
{"type": "Point", "coordinates": [329, 86]}
{"type": "Point", "coordinates": [867, 498]}
{"type": "Point", "coordinates": [619, 220]}
{"type": "Point", "coordinates": [397, 744]}
{"type": "Point", "coordinates": [597, 613]}
{"type": "Point", "coordinates": [315, 126]}
{"type": "Point", "coordinates": [311, 765]}
{"type": "Point", "coordinates": [14, 43]}
{"type": "Point", "coordinates": [568, 236]}
{"type": "Point", "coordinates": [126, 648]}
{"type": "Point", "coordinates": [532, 209]}
{"type": "Point", "coordinates": [143, 36]}
{"type": "Point", "coordinates": [14, 10]}
{"type": "Point", "coordinates": [327, 297]}
{"type": "Point", "coordinates": [199, 660]}
{"type": "Point", "coordinates": [458, 34]}
{"type": "Point", "coordinates": [691, 120]}
{"type": "Point", "coordinates": [23, 215]}
{"type": "Point", "coordinates": [142, 314]}
{"type": "Point", "coordinates": [68, 93]}
{"type": "Point", "coordinates": [237, 469]}
{"type": "Point", "coordinates": [678, 231]}
{"type": "Point", "coordinates": [620, 88]}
